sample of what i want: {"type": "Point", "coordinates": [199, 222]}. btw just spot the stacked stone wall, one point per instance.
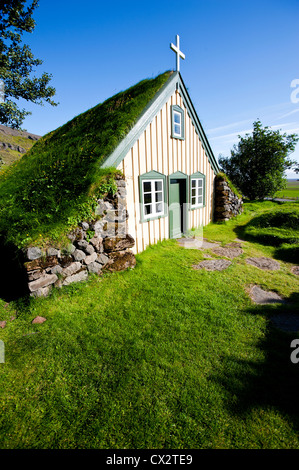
{"type": "Point", "coordinates": [94, 247]}
{"type": "Point", "coordinates": [227, 203]}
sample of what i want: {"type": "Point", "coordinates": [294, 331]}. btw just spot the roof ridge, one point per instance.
{"type": "Point", "coordinates": [148, 113]}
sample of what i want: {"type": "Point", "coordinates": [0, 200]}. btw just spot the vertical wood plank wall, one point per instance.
{"type": "Point", "coordinates": [156, 150]}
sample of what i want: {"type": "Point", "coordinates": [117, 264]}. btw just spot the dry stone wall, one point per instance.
{"type": "Point", "coordinates": [227, 203]}
{"type": "Point", "coordinates": [103, 244]}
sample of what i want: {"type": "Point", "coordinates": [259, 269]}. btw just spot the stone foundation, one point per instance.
{"type": "Point", "coordinates": [94, 247]}
{"type": "Point", "coordinates": [227, 203]}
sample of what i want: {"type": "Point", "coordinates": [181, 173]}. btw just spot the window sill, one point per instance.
{"type": "Point", "coordinates": [177, 137]}
{"type": "Point", "coordinates": [193, 208]}
{"type": "Point", "coordinates": [149, 219]}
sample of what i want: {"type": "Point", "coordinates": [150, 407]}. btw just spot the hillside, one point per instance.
{"type": "Point", "coordinates": [58, 181]}
{"type": "Point", "coordinates": [13, 145]}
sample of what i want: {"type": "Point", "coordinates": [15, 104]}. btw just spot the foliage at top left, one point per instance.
{"type": "Point", "coordinates": [17, 63]}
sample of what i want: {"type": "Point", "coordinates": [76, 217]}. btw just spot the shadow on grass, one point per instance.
{"type": "Point", "coordinates": [283, 250]}
{"type": "Point", "coordinates": [286, 248]}
{"type": "Point", "coordinates": [273, 382]}
{"type": "Point", "coordinates": [290, 254]}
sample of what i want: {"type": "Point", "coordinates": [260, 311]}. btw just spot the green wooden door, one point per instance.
{"type": "Point", "coordinates": [174, 209]}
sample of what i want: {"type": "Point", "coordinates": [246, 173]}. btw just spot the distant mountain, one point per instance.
{"type": "Point", "coordinates": [13, 144]}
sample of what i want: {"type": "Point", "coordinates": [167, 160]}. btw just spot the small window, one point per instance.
{"type": "Point", "coordinates": [197, 192]}
{"type": "Point", "coordinates": [153, 198]}
{"type": "Point", "coordinates": [177, 122]}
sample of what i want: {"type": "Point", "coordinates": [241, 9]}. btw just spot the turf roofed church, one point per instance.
{"type": "Point", "coordinates": [168, 165]}
{"type": "Point", "coordinates": [169, 168]}
{"type": "Point", "coordinates": [60, 209]}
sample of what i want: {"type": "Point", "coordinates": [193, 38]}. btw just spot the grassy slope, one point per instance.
{"type": "Point", "coordinates": [57, 181]}
{"type": "Point", "coordinates": [159, 357]}
{"type": "Point", "coordinates": [273, 228]}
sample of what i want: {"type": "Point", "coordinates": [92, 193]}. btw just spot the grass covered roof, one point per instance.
{"type": "Point", "coordinates": [56, 184]}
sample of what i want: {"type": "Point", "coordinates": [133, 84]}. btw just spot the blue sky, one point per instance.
{"type": "Point", "coordinates": [241, 59]}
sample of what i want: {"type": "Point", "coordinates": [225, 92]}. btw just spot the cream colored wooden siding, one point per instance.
{"type": "Point", "coordinates": [156, 150]}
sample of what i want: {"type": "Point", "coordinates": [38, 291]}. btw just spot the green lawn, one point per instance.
{"type": "Point", "coordinates": [162, 356]}
{"type": "Point", "coordinates": [291, 191]}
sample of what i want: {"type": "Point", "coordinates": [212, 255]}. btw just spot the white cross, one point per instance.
{"type": "Point", "coordinates": [179, 53]}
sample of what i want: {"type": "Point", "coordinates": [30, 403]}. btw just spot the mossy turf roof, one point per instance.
{"type": "Point", "coordinates": [58, 180]}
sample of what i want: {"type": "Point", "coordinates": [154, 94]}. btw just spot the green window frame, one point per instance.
{"type": "Point", "coordinates": [177, 122]}
{"type": "Point", "coordinates": [153, 196]}
{"type": "Point", "coordinates": [197, 190]}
